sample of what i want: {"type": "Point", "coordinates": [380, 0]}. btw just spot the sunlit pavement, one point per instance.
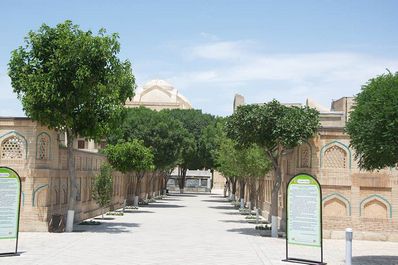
{"type": "Point", "coordinates": [181, 229]}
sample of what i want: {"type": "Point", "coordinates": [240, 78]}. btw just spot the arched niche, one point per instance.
{"type": "Point", "coordinates": [43, 146]}
{"type": "Point", "coordinates": [336, 204]}
{"type": "Point", "coordinates": [304, 155]}
{"type": "Point", "coordinates": [13, 146]}
{"type": "Point", "coordinates": [375, 206]}
{"type": "Point", "coordinates": [335, 155]}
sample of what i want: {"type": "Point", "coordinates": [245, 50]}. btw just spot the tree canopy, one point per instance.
{"type": "Point", "coordinates": [275, 128]}
{"type": "Point", "coordinates": [73, 81]}
{"type": "Point", "coordinates": [229, 159]}
{"type": "Point", "coordinates": [209, 143]}
{"type": "Point", "coordinates": [194, 121]}
{"type": "Point", "coordinates": [373, 123]}
{"type": "Point", "coordinates": [70, 79]}
{"type": "Point", "coordinates": [272, 125]}
{"type": "Point", "coordinates": [130, 156]}
{"type": "Point", "coordinates": [157, 130]}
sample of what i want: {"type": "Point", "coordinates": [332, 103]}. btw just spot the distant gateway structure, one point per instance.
{"type": "Point", "coordinates": [158, 95]}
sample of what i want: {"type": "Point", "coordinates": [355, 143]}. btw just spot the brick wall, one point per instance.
{"type": "Point", "coordinates": [45, 183]}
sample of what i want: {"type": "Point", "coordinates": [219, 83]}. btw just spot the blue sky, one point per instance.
{"type": "Point", "coordinates": [210, 50]}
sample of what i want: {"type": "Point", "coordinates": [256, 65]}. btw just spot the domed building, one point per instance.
{"type": "Point", "coordinates": [157, 95]}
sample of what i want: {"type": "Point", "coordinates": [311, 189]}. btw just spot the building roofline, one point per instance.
{"type": "Point", "coordinates": [14, 118]}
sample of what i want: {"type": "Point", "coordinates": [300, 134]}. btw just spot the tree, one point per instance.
{"type": "Point", "coordinates": [194, 121]}
{"type": "Point", "coordinates": [163, 134]}
{"type": "Point", "coordinates": [255, 165]}
{"type": "Point", "coordinates": [131, 158]}
{"type": "Point", "coordinates": [229, 160]}
{"type": "Point", "coordinates": [276, 128]}
{"type": "Point", "coordinates": [102, 189]}
{"type": "Point", "coordinates": [373, 123]}
{"type": "Point", "coordinates": [72, 81]}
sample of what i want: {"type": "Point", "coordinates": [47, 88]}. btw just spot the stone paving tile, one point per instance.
{"type": "Point", "coordinates": [183, 229]}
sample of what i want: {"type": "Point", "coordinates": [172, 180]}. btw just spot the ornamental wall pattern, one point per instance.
{"type": "Point", "coordinates": [38, 155]}
{"type": "Point", "coordinates": [363, 200]}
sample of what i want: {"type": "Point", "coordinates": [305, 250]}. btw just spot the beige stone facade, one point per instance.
{"type": "Point", "coordinates": [38, 155]}
{"type": "Point", "coordinates": [157, 95]}
{"type": "Point", "coordinates": [365, 201]}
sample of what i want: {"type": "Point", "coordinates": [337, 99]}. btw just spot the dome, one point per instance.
{"type": "Point", "coordinates": [159, 94]}
{"type": "Point", "coordinates": [312, 104]}
{"type": "Point", "coordinates": [158, 83]}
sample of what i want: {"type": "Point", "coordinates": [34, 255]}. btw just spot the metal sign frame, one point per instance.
{"type": "Point", "coordinates": [19, 215]}
{"type": "Point", "coordinates": [298, 260]}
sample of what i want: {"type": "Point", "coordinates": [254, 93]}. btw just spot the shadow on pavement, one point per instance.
{"type": "Point", "coordinates": [218, 196]}
{"type": "Point", "coordinates": [182, 195]}
{"type": "Point", "coordinates": [234, 221]}
{"type": "Point", "coordinates": [155, 205]}
{"type": "Point", "coordinates": [105, 218]}
{"type": "Point", "coordinates": [232, 213]}
{"type": "Point", "coordinates": [170, 199]}
{"type": "Point", "coordinates": [227, 207]}
{"type": "Point", "coordinates": [111, 227]}
{"type": "Point", "coordinates": [244, 231]}
{"type": "Point", "coordinates": [218, 201]}
{"type": "Point", "coordinates": [375, 260]}
{"type": "Point", "coordinates": [137, 211]}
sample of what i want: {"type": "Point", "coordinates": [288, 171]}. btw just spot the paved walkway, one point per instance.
{"type": "Point", "coordinates": [190, 229]}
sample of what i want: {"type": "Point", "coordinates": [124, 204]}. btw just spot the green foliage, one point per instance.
{"type": "Point", "coordinates": [102, 189]}
{"type": "Point", "coordinates": [130, 157]}
{"type": "Point", "coordinates": [272, 125]}
{"type": "Point", "coordinates": [373, 123]}
{"type": "Point", "coordinates": [70, 79]}
{"type": "Point", "coordinates": [238, 162]}
{"type": "Point", "coordinates": [275, 128]}
{"type": "Point", "coordinates": [209, 143]}
{"type": "Point", "coordinates": [194, 121]}
{"type": "Point", "coordinates": [157, 130]}
{"type": "Point", "coordinates": [255, 162]}
{"type": "Point", "coordinates": [229, 159]}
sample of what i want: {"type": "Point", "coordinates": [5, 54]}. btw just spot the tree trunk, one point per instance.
{"type": "Point", "coordinates": [150, 185]}
{"type": "Point", "coordinates": [166, 179]}
{"type": "Point", "coordinates": [183, 173]}
{"type": "Point", "coordinates": [242, 189]}
{"type": "Point", "coordinates": [155, 177]}
{"type": "Point", "coordinates": [253, 192]}
{"type": "Point", "coordinates": [137, 189]}
{"type": "Point", "coordinates": [259, 187]}
{"type": "Point", "coordinates": [274, 201]}
{"type": "Point", "coordinates": [233, 183]}
{"type": "Point", "coordinates": [73, 183]}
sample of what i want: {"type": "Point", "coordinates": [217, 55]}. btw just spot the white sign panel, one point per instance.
{"type": "Point", "coordinates": [304, 211]}
{"type": "Point", "coordinates": [10, 194]}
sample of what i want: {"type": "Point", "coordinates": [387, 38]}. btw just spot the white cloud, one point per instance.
{"type": "Point", "coordinates": [219, 50]}
{"type": "Point", "coordinates": [290, 77]}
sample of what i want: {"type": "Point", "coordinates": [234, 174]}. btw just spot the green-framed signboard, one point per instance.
{"type": "Point", "coordinates": [304, 215]}
{"type": "Point", "coordinates": [10, 203]}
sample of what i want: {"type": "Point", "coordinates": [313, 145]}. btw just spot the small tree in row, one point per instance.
{"type": "Point", "coordinates": [102, 188]}
{"type": "Point", "coordinates": [131, 158]}
{"type": "Point", "coordinates": [164, 135]}
{"type": "Point", "coordinates": [194, 122]}
{"type": "Point", "coordinates": [275, 128]}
